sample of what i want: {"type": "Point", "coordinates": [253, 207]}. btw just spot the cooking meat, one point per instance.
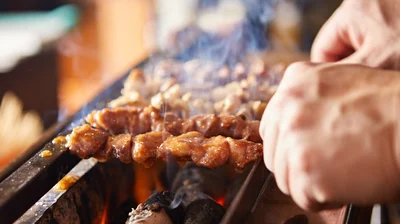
{"type": "Point", "coordinates": [213, 89]}
{"type": "Point", "coordinates": [213, 152]}
{"type": "Point", "coordinates": [133, 120]}
{"type": "Point", "coordinates": [88, 139]}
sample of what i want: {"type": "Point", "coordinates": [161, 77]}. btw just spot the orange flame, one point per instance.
{"type": "Point", "coordinates": [104, 215]}
{"type": "Point", "coordinates": [146, 181]}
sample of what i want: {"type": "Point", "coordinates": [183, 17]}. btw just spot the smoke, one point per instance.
{"type": "Point", "coordinates": [211, 35]}
{"type": "Point", "coordinates": [209, 39]}
{"type": "Point", "coordinates": [224, 31]}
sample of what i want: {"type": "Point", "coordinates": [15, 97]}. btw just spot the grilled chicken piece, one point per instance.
{"type": "Point", "coordinates": [133, 120]}
{"type": "Point", "coordinates": [86, 141]}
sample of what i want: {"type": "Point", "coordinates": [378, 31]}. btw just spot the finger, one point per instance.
{"type": "Point", "coordinates": [281, 164]}
{"type": "Point", "coordinates": [358, 57]}
{"type": "Point", "coordinates": [269, 131]}
{"type": "Point", "coordinates": [299, 182]}
{"type": "Point", "coordinates": [269, 127]}
{"type": "Point", "coordinates": [303, 174]}
{"type": "Point", "coordinates": [297, 118]}
{"type": "Point", "coordinates": [306, 198]}
{"type": "Point", "coordinates": [332, 42]}
{"type": "Point", "coordinates": [283, 145]}
{"type": "Point", "coordinates": [296, 75]}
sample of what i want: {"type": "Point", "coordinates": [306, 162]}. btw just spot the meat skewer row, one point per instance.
{"type": "Point", "coordinates": [135, 120]}
{"type": "Point", "coordinates": [86, 141]}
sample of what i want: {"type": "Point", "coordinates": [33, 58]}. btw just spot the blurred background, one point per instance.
{"type": "Point", "coordinates": [55, 55]}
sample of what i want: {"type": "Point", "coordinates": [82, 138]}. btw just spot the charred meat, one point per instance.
{"type": "Point", "coordinates": [136, 120]}
{"type": "Point", "coordinates": [213, 152]}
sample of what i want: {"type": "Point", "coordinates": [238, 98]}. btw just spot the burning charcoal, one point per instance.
{"type": "Point", "coordinates": [190, 193]}
{"type": "Point", "coordinates": [205, 211]}
{"type": "Point", "coordinates": [158, 200]}
{"type": "Point", "coordinates": [297, 219]}
{"type": "Point", "coordinates": [161, 202]}
{"type": "Point", "coordinates": [157, 209]}
{"type": "Point", "coordinates": [122, 212]}
{"type": "Point", "coordinates": [194, 186]}
{"type": "Point", "coordinates": [199, 207]}
{"type": "Point", "coordinates": [211, 182]}
{"type": "Point", "coordinates": [148, 217]}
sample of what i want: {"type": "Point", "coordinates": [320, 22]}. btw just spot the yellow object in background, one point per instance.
{"type": "Point", "coordinates": [18, 130]}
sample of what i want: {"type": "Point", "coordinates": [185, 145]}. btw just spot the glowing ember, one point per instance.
{"type": "Point", "coordinates": [220, 201]}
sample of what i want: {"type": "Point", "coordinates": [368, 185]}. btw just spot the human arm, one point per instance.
{"type": "Point", "coordinates": [331, 135]}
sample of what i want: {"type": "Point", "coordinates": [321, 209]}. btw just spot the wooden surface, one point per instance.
{"type": "Point", "coordinates": [274, 207]}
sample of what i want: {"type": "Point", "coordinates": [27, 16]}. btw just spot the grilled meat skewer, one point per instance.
{"type": "Point", "coordinates": [86, 141]}
{"type": "Point", "coordinates": [134, 120]}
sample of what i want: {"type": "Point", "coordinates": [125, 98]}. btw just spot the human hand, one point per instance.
{"type": "Point", "coordinates": [331, 135]}
{"type": "Point", "coordinates": [365, 32]}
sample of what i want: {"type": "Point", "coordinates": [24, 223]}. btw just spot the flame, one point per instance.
{"type": "Point", "coordinates": [146, 181]}
{"type": "Point", "coordinates": [104, 215]}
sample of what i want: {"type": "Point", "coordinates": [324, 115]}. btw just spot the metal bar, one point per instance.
{"type": "Point", "coordinates": [21, 188]}
{"type": "Point", "coordinates": [357, 215]}
{"type": "Point", "coordinates": [248, 194]}
{"type": "Point", "coordinates": [51, 197]}
{"type": "Point", "coordinates": [24, 187]}
{"type": "Point", "coordinates": [31, 151]}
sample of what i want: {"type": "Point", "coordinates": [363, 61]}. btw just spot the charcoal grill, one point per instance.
{"type": "Point", "coordinates": [24, 184]}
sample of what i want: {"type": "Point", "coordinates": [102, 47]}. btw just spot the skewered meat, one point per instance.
{"type": "Point", "coordinates": [135, 121]}
{"type": "Point", "coordinates": [86, 141]}
{"type": "Point", "coordinates": [144, 132]}
{"type": "Point", "coordinates": [231, 87]}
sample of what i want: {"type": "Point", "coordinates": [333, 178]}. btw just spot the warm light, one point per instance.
{"type": "Point", "coordinates": [147, 181]}
{"type": "Point", "coordinates": [220, 201]}
{"type": "Point", "coordinates": [104, 216]}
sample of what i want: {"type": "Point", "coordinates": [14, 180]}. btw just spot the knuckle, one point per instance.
{"type": "Point", "coordinates": [297, 67]}
{"type": "Point", "coordinates": [308, 204]}
{"type": "Point", "coordinates": [303, 200]}
{"type": "Point", "coordinates": [301, 160]}
{"type": "Point", "coordinates": [297, 118]}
